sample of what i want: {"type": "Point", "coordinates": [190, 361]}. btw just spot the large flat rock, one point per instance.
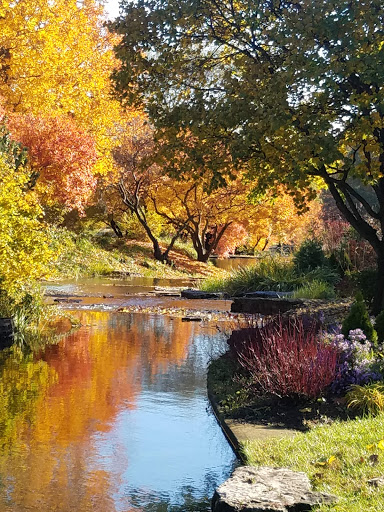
{"type": "Point", "coordinates": [267, 489]}
{"type": "Point", "coordinates": [264, 305]}
{"type": "Point", "coordinates": [192, 293]}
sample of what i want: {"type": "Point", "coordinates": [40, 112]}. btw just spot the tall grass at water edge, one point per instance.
{"type": "Point", "coordinates": [276, 274]}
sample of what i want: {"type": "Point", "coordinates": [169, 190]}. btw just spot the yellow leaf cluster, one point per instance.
{"type": "Point", "coordinates": [56, 58]}
{"type": "Point", "coordinates": [24, 249]}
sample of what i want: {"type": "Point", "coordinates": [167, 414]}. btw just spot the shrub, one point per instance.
{"type": "Point", "coordinates": [366, 281]}
{"type": "Point", "coordinates": [366, 399]}
{"type": "Point", "coordinates": [355, 362]}
{"type": "Point", "coordinates": [326, 274]}
{"type": "Point", "coordinates": [358, 318]}
{"type": "Point", "coordinates": [309, 256]}
{"type": "Point", "coordinates": [315, 290]}
{"type": "Point", "coordinates": [285, 358]}
{"type": "Point", "coordinates": [379, 327]}
{"type": "Point", "coordinates": [267, 274]}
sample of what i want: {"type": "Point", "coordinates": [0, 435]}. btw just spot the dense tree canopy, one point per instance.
{"type": "Point", "coordinates": [24, 251]}
{"type": "Point", "coordinates": [293, 89]}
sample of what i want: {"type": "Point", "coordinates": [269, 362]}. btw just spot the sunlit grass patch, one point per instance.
{"type": "Point", "coordinates": [339, 459]}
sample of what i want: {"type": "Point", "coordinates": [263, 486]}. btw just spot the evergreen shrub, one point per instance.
{"type": "Point", "coordinates": [309, 256]}
{"type": "Point", "coordinates": [358, 318]}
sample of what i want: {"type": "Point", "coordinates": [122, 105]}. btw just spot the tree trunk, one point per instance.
{"type": "Point", "coordinates": [201, 253]}
{"type": "Point", "coordinates": [265, 245]}
{"type": "Point", "coordinates": [116, 229]}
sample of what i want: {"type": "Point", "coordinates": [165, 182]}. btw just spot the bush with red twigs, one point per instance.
{"type": "Point", "coordinates": [286, 358]}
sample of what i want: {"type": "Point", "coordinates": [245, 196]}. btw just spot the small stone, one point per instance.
{"type": "Point", "coordinates": [376, 482]}
{"type": "Point", "coordinates": [264, 489]}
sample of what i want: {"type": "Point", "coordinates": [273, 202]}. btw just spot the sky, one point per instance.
{"type": "Point", "coordinates": [112, 8]}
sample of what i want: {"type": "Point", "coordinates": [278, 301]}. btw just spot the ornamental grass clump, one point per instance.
{"type": "Point", "coordinates": [285, 358]}
{"type": "Point", "coordinates": [368, 400]}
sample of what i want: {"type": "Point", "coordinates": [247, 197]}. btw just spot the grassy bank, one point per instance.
{"type": "Point", "coordinates": [340, 455]}
{"type": "Point", "coordinates": [88, 255]}
{"type": "Point", "coordinates": [277, 274]}
{"type": "Point", "coordinates": [339, 458]}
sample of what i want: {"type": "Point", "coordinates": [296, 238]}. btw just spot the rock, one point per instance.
{"type": "Point", "coordinates": [191, 293]}
{"type": "Point", "coordinates": [120, 273]}
{"type": "Point", "coordinates": [269, 294]}
{"type": "Point", "coordinates": [267, 489]}
{"type": "Point", "coordinates": [191, 319]}
{"type": "Point", "coordinates": [376, 482]}
{"type": "Point", "coordinates": [264, 305]}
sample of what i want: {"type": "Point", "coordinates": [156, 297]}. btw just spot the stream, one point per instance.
{"type": "Point", "coordinates": [115, 417]}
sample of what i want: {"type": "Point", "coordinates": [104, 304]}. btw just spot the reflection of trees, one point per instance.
{"type": "Point", "coordinates": [98, 371]}
{"type": "Point", "coordinates": [22, 382]}
{"type": "Point", "coordinates": [188, 499]}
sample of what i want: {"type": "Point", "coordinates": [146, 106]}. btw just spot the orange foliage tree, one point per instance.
{"type": "Point", "coordinates": [205, 216]}
{"type": "Point", "coordinates": [56, 59]}
{"type": "Point", "coordinates": [61, 155]}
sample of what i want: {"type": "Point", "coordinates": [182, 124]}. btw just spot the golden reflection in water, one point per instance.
{"type": "Point", "coordinates": [64, 400]}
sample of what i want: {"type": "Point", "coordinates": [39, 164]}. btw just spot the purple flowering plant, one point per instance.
{"type": "Point", "coordinates": [356, 362]}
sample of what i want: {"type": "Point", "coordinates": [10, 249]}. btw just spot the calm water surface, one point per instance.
{"type": "Point", "coordinates": [115, 418]}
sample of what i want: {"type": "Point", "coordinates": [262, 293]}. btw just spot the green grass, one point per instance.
{"type": "Point", "coordinates": [81, 256]}
{"type": "Point", "coordinates": [276, 274]}
{"type": "Point", "coordinates": [85, 255]}
{"type": "Point", "coordinates": [315, 290]}
{"type": "Point", "coordinates": [268, 274]}
{"type": "Point", "coordinates": [339, 459]}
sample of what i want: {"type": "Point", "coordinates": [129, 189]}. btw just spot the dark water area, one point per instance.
{"type": "Point", "coordinates": [115, 418]}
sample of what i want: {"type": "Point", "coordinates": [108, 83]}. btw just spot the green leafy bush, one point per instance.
{"type": "Point", "coordinates": [309, 256]}
{"type": "Point", "coordinates": [267, 274]}
{"type": "Point", "coordinates": [358, 318]}
{"type": "Point", "coordinates": [326, 274]}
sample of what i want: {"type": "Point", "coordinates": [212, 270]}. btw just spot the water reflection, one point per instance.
{"type": "Point", "coordinates": [113, 419]}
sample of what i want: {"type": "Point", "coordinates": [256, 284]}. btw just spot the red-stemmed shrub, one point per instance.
{"type": "Point", "coordinates": [285, 357]}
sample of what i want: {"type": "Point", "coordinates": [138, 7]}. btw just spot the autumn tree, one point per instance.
{"type": "Point", "coordinates": [273, 219]}
{"type": "Point", "coordinates": [294, 90]}
{"type": "Point", "coordinates": [24, 251]}
{"type": "Point", "coordinates": [136, 177]}
{"type": "Point", "coordinates": [204, 215]}
{"type": "Point", "coordinates": [61, 155]}
{"type": "Point", "coordinates": [56, 59]}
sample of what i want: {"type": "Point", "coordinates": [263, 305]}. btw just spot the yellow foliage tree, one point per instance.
{"type": "Point", "coordinates": [56, 59]}
{"type": "Point", "coordinates": [24, 251]}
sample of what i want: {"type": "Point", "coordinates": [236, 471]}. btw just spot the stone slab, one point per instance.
{"type": "Point", "coordinates": [191, 293]}
{"type": "Point", "coordinates": [267, 489]}
{"type": "Point", "coordinates": [264, 305]}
